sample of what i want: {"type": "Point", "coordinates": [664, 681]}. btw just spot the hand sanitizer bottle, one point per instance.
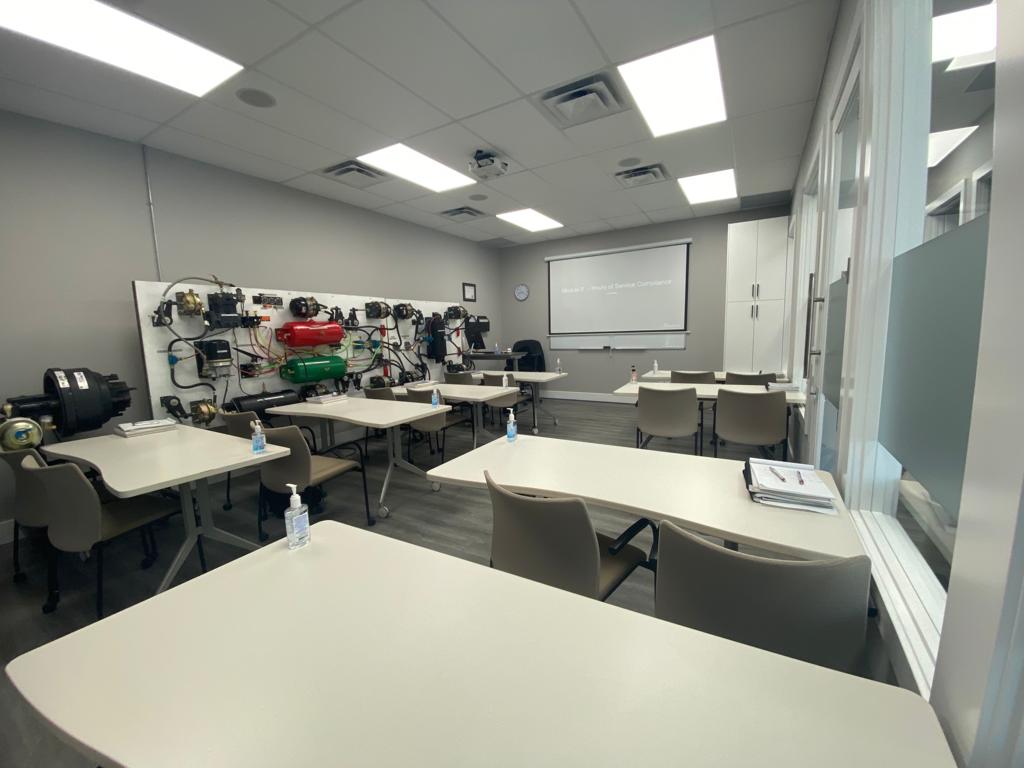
{"type": "Point", "coordinates": [259, 437]}
{"type": "Point", "coordinates": [511, 428]}
{"type": "Point", "coordinates": [435, 398]}
{"type": "Point", "coordinates": [558, 365]}
{"type": "Point", "coordinates": [655, 366]}
{"type": "Point", "coordinates": [632, 373]}
{"type": "Point", "coordinates": [296, 520]}
{"type": "Point", "coordinates": [504, 379]}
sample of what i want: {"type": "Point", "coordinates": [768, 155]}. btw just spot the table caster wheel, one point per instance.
{"type": "Point", "coordinates": [435, 487]}
{"type": "Point", "coordinates": [535, 431]}
{"type": "Point", "coordinates": [383, 511]}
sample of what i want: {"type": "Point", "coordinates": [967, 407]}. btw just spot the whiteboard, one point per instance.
{"type": "Point", "coordinates": [620, 341]}
{"type": "Point", "coordinates": [642, 289]}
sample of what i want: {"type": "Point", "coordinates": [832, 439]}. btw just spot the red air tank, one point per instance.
{"type": "Point", "coordinates": [309, 333]}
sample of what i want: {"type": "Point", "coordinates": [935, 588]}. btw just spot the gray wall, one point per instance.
{"type": "Point", "coordinates": [75, 231]}
{"type": "Point", "coordinates": [601, 371]}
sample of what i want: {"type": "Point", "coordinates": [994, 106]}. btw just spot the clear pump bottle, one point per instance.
{"type": "Point", "coordinates": [296, 520]}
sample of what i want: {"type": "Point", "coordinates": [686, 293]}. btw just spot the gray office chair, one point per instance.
{"type": "Point", "coordinates": [668, 413]}
{"type": "Point", "coordinates": [553, 541]}
{"type": "Point", "coordinates": [236, 425]}
{"type": "Point", "coordinates": [750, 378]}
{"type": "Point", "coordinates": [751, 418]}
{"type": "Point", "coordinates": [304, 470]}
{"type": "Point", "coordinates": [459, 377]}
{"type": "Point", "coordinates": [379, 393]}
{"type": "Point", "coordinates": [78, 522]}
{"type": "Point", "coordinates": [435, 426]}
{"type": "Point", "coordinates": [692, 377]}
{"type": "Point", "coordinates": [29, 505]}
{"type": "Point", "coordinates": [813, 610]}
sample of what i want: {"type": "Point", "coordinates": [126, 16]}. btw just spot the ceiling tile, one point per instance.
{"type": "Point", "coordinates": [408, 41]}
{"type": "Point", "coordinates": [775, 60]}
{"type": "Point", "coordinates": [456, 198]}
{"type": "Point", "coordinates": [399, 190]}
{"type": "Point", "coordinates": [453, 145]}
{"type": "Point", "coordinates": [590, 227]}
{"type": "Point", "coordinates": [243, 30]}
{"type": "Point", "coordinates": [654, 197]}
{"type": "Point", "coordinates": [612, 131]}
{"type": "Point", "coordinates": [313, 11]}
{"type": "Point", "coordinates": [580, 174]}
{"type": "Point", "coordinates": [629, 30]}
{"type": "Point", "coordinates": [54, 69]}
{"type": "Point", "coordinates": [708, 148]}
{"type": "Point", "coordinates": [674, 213]}
{"type": "Point", "coordinates": [59, 108]}
{"type": "Point", "coordinates": [598, 204]}
{"type": "Point", "coordinates": [468, 230]}
{"type": "Point", "coordinates": [415, 215]}
{"type": "Point", "coordinates": [625, 222]}
{"type": "Point", "coordinates": [213, 122]}
{"type": "Point", "coordinates": [525, 187]}
{"type": "Point", "coordinates": [519, 130]}
{"type": "Point", "coordinates": [318, 185]}
{"type": "Point", "coordinates": [769, 135]}
{"type": "Point", "coordinates": [733, 11]}
{"type": "Point", "coordinates": [215, 153]}
{"type": "Point", "coordinates": [535, 43]}
{"type": "Point", "coordinates": [300, 116]}
{"type": "Point", "coordinates": [716, 208]}
{"type": "Point", "coordinates": [324, 70]}
{"type": "Point", "coordinates": [771, 176]}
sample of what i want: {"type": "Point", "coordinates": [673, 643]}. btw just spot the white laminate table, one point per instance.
{"type": "Point", "coordinates": [698, 493]}
{"type": "Point", "coordinates": [706, 391]}
{"type": "Point", "coordinates": [474, 394]}
{"type": "Point", "coordinates": [535, 380]}
{"type": "Point", "coordinates": [441, 663]}
{"type": "Point", "coordinates": [132, 466]}
{"type": "Point", "coordinates": [666, 375]}
{"type": "Point", "coordinates": [388, 415]}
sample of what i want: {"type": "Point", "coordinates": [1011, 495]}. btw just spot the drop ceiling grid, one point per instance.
{"type": "Point", "coordinates": [569, 170]}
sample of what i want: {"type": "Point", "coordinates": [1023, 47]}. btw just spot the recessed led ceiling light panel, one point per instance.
{"type": "Point", "coordinates": [963, 33]}
{"type": "Point", "coordinates": [941, 143]}
{"type": "Point", "coordinates": [527, 218]}
{"type": "Point", "coordinates": [677, 89]}
{"type": "Point", "coordinates": [406, 163]}
{"type": "Point", "coordinates": [117, 38]}
{"type": "Point", "coordinates": [708, 187]}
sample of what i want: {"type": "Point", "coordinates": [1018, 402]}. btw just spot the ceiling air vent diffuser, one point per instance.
{"type": "Point", "coordinates": [465, 213]}
{"type": "Point", "coordinates": [354, 174]}
{"type": "Point", "coordinates": [639, 177]}
{"type": "Point", "coordinates": [584, 100]}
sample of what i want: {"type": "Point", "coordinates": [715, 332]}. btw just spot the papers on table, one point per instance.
{"type": "Point", "coordinates": [333, 397]}
{"type": "Point", "coordinates": [787, 484]}
{"type": "Point", "coordinates": [148, 427]}
{"type": "Point", "coordinates": [783, 386]}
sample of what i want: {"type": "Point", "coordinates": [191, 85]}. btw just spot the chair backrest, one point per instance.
{"type": "Point", "coordinates": [815, 611]}
{"type": "Point", "coordinates": [458, 377]}
{"type": "Point", "coordinates": [430, 423]}
{"type": "Point", "coordinates": [546, 540]}
{"type": "Point", "coordinates": [295, 468]}
{"type": "Point", "coordinates": [30, 504]}
{"type": "Point", "coordinates": [379, 393]}
{"type": "Point", "coordinates": [73, 516]}
{"type": "Point", "coordinates": [750, 378]}
{"type": "Point", "coordinates": [534, 360]}
{"type": "Point", "coordinates": [239, 424]}
{"type": "Point", "coordinates": [668, 412]}
{"type": "Point", "coordinates": [493, 378]}
{"type": "Point", "coordinates": [692, 377]}
{"type": "Point", "coordinates": [751, 418]}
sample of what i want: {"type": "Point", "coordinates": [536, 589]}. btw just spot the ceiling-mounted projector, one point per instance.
{"type": "Point", "coordinates": [487, 165]}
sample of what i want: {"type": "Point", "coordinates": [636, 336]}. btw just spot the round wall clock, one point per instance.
{"type": "Point", "coordinates": [522, 292]}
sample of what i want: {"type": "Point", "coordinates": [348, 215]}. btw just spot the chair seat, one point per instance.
{"type": "Point", "coordinates": [615, 568]}
{"type": "Point", "coordinates": [123, 515]}
{"type": "Point", "coordinates": [323, 468]}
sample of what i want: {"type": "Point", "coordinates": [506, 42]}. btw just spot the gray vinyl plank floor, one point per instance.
{"type": "Point", "coordinates": [454, 521]}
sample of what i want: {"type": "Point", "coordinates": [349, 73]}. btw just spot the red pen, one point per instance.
{"type": "Point", "coordinates": [800, 477]}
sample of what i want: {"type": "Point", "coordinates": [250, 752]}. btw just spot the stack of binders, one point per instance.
{"type": "Point", "coordinates": [148, 427]}
{"type": "Point", "coordinates": [786, 484]}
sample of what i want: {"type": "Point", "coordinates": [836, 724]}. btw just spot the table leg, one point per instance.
{"type": "Point", "coordinates": [395, 461]}
{"type": "Point", "coordinates": [188, 516]}
{"type": "Point", "coordinates": [325, 435]}
{"type": "Point", "coordinates": [478, 422]}
{"type": "Point", "coordinates": [539, 408]}
{"type": "Point", "coordinates": [207, 527]}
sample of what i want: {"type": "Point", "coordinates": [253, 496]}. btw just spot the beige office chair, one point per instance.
{"type": "Point", "coordinates": [502, 404]}
{"type": "Point", "coordinates": [668, 413]}
{"type": "Point", "coordinates": [750, 378]}
{"type": "Point", "coordinates": [236, 425]}
{"type": "Point", "coordinates": [29, 506]}
{"type": "Point", "coordinates": [78, 522]}
{"type": "Point", "coordinates": [459, 377]}
{"type": "Point", "coordinates": [554, 542]}
{"type": "Point", "coordinates": [435, 426]}
{"type": "Point", "coordinates": [379, 393]}
{"type": "Point", "coordinates": [304, 470]}
{"type": "Point", "coordinates": [751, 418]}
{"type": "Point", "coordinates": [692, 377]}
{"type": "Point", "coordinates": [814, 610]}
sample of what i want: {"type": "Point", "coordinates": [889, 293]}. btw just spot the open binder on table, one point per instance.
{"type": "Point", "coordinates": [787, 484]}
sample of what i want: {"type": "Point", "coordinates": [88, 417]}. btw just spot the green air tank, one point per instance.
{"type": "Point", "coordinates": [302, 370]}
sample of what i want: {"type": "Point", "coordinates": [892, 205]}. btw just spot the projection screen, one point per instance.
{"type": "Point", "coordinates": [643, 289]}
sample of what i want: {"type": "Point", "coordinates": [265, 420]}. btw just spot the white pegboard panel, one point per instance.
{"type": "Point", "coordinates": [155, 341]}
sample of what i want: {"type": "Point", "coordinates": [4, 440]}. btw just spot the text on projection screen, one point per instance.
{"type": "Point", "coordinates": [641, 290]}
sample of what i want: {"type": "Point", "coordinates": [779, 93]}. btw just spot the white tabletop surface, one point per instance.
{"type": "Point", "coordinates": [463, 393]}
{"type": "Point", "coordinates": [527, 377]}
{"type": "Point", "coordinates": [697, 492]}
{"type": "Point", "coordinates": [297, 659]}
{"type": "Point", "coordinates": [361, 411]}
{"type": "Point", "coordinates": [665, 374]}
{"type": "Point", "coordinates": [704, 391]}
{"type": "Point", "coordinates": [135, 465]}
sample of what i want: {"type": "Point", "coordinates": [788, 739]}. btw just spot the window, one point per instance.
{"type": "Point", "coordinates": [944, 213]}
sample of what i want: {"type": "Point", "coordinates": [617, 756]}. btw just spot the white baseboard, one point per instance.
{"type": "Point", "coordinates": [592, 397]}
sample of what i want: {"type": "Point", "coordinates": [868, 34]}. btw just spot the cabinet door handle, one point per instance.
{"type": "Point", "coordinates": [751, 311]}
{"type": "Point", "coordinates": [752, 291]}
{"type": "Point", "coordinates": [757, 310]}
{"type": "Point", "coordinates": [757, 291]}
